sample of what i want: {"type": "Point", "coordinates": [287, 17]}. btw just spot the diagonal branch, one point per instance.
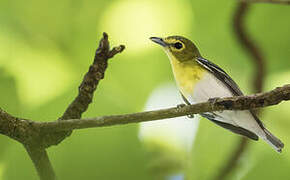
{"type": "Point", "coordinates": [91, 79]}
{"type": "Point", "coordinates": [87, 88]}
{"type": "Point", "coordinates": [36, 141]}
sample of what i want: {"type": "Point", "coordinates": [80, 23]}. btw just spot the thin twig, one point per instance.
{"type": "Point", "coordinates": [287, 2]}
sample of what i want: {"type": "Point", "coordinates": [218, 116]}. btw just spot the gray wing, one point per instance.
{"type": "Point", "coordinates": [212, 117]}
{"type": "Point", "coordinates": [234, 88]}
{"type": "Point", "coordinates": [221, 75]}
{"type": "Point", "coordinates": [239, 130]}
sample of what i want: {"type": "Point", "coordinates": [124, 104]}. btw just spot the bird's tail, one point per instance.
{"type": "Point", "coordinates": [273, 141]}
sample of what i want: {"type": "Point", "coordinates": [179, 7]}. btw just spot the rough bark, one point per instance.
{"type": "Point", "coordinates": [34, 139]}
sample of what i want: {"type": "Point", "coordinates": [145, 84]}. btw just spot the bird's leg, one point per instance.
{"type": "Point", "coordinates": [181, 106]}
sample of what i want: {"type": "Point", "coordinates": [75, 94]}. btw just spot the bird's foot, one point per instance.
{"type": "Point", "coordinates": [181, 106]}
{"type": "Point", "coordinates": [213, 100]}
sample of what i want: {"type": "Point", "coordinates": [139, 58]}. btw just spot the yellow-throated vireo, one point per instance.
{"type": "Point", "coordinates": [199, 80]}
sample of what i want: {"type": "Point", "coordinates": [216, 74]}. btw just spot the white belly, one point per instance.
{"type": "Point", "coordinates": [211, 87]}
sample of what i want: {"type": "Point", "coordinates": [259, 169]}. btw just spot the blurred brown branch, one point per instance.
{"type": "Point", "coordinates": [267, 1]}
{"type": "Point", "coordinates": [249, 45]}
{"type": "Point", "coordinates": [260, 69]}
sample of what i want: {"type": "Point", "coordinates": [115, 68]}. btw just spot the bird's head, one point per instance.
{"type": "Point", "coordinates": [179, 47]}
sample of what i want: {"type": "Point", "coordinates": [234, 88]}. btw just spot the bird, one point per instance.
{"type": "Point", "coordinates": [200, 80]}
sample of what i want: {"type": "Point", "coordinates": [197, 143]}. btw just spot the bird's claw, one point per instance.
{"type": "Point", "coordinates": [213, 100]}
{"type": "Point", "coordinates": [181, 106]}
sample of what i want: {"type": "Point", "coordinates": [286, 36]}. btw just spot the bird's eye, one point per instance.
{"type": "Point", "coordinates": [178, 45]}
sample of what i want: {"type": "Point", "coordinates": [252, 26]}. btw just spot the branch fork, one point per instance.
{"type": "Point", "coordinates": [37, 136]}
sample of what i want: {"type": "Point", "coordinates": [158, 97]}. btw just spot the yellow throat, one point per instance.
{"type": "Point", "coordinates": [186, 74]}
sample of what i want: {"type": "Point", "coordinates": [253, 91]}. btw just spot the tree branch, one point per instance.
{"type": "Point", "coordinates": [37, 136]}
{"type": "Point", "coordinates": [259, 100]}
{"type": "Point", "coordinates": [231, 103]}
{"type": "Point", "coordinates": [30, 129]}
{"type": "Point", "coordinates": [10, 126]}
{"type": "Point", "coordinates": [41, 162]}
{"type": "Point", "coordinates": [33, 139]}
{"type": "Point", "coordinates": [91, 79]}
{"type": "Point", "coordinates": [287, 2]}
{"type": "Point", "coordinates": [27, 131]}
{"type": "Point", "coordinates": [87, 88]}
{"type": "Point", "coordinates": [22, 131]}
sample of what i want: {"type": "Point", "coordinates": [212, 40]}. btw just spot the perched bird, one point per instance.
{"type": "Point", "coordinates": [199, 80]}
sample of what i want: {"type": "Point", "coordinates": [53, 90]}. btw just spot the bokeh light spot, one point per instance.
{"type": "Point", "coordinates": [40, 76]}
{"type": "Point", "coordinates": [133, 22]}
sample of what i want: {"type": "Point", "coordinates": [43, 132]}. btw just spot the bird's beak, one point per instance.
{"type": "Point", "coordinates": [158, 41]}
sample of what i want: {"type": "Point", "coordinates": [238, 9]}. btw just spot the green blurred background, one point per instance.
{"type": "Point", "coordinates": [47, 46]}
